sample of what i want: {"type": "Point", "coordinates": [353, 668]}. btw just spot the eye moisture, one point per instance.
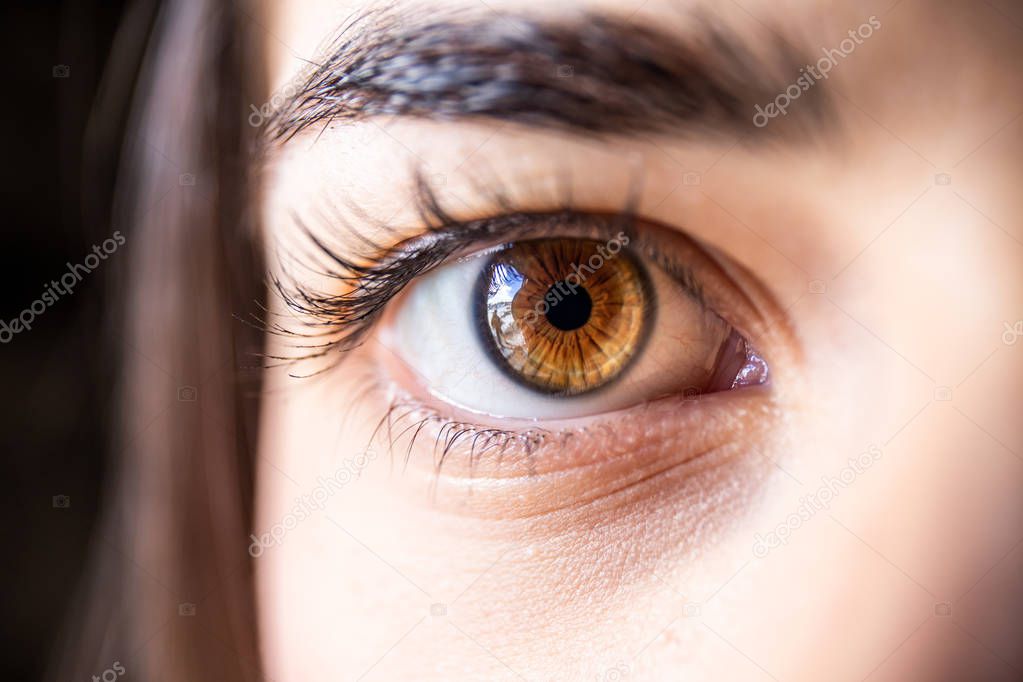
{"type": "Point", "coordinates": [563, 316]}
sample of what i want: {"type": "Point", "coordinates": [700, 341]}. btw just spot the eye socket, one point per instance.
{"type": "Point", "coordinates": [492, 333]}
{"type": "Point", "coordinates": [564, 316]}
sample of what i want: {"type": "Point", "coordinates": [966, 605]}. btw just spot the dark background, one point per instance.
{"type": "Point", "coordinates": [58, 377]}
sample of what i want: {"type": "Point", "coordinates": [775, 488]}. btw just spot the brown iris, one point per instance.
{"type": "Point", "coordinates": [564, 315]}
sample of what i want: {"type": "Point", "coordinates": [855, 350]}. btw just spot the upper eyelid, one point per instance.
{"type": "Point", "coordinates": [339, 318]}
{"type": "Point", "coordinates": [378, 277]}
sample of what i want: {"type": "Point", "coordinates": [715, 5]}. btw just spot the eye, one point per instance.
{"type": "Point", "coordinates": [563, 327]}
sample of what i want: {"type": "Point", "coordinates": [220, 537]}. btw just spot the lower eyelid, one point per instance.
{"type": "Point", "coordinates": [529, 447]}
{"type": "Point", "coordinates": [605, 459]}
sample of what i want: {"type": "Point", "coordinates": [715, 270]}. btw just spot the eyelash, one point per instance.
{"type": "Point", "coordinates": [342, 321]}
{"type": "Point", "coordinates": [450, 432]}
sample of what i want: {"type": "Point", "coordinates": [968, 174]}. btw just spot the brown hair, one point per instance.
{"type": "Point", "coordinates": [169, 592]}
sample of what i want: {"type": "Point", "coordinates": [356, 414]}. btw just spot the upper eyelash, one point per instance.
{"type": "Point", "coordinates": [340, 322]}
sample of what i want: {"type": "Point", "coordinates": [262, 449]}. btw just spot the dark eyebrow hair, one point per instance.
{"type": "Point", "coordinates": [591, 73]}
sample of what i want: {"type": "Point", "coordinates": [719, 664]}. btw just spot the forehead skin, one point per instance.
{"type": "Point", "coordinates": [893, 241]}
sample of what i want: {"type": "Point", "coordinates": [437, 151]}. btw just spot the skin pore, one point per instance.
{"type": "Point", "coordinates": [658, 540]}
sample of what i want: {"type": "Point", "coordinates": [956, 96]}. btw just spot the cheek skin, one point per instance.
{"type": "Point", "coordinates": [545, 570]}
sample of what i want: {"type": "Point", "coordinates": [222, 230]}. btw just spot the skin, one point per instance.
{"type": "Point", "coordinates": [633, 551]}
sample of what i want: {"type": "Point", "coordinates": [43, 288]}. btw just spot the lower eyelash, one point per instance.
{"type": "Point", "coordinates": [410, 425]}
{"type": "Point", "coordinates": [412, 417]}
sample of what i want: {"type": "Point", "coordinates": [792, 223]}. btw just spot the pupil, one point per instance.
{"type": "Point", "coordinates": [569, 311]}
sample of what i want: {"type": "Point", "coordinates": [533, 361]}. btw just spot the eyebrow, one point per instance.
{"type": "Point", "coordinates": [588, 74]}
